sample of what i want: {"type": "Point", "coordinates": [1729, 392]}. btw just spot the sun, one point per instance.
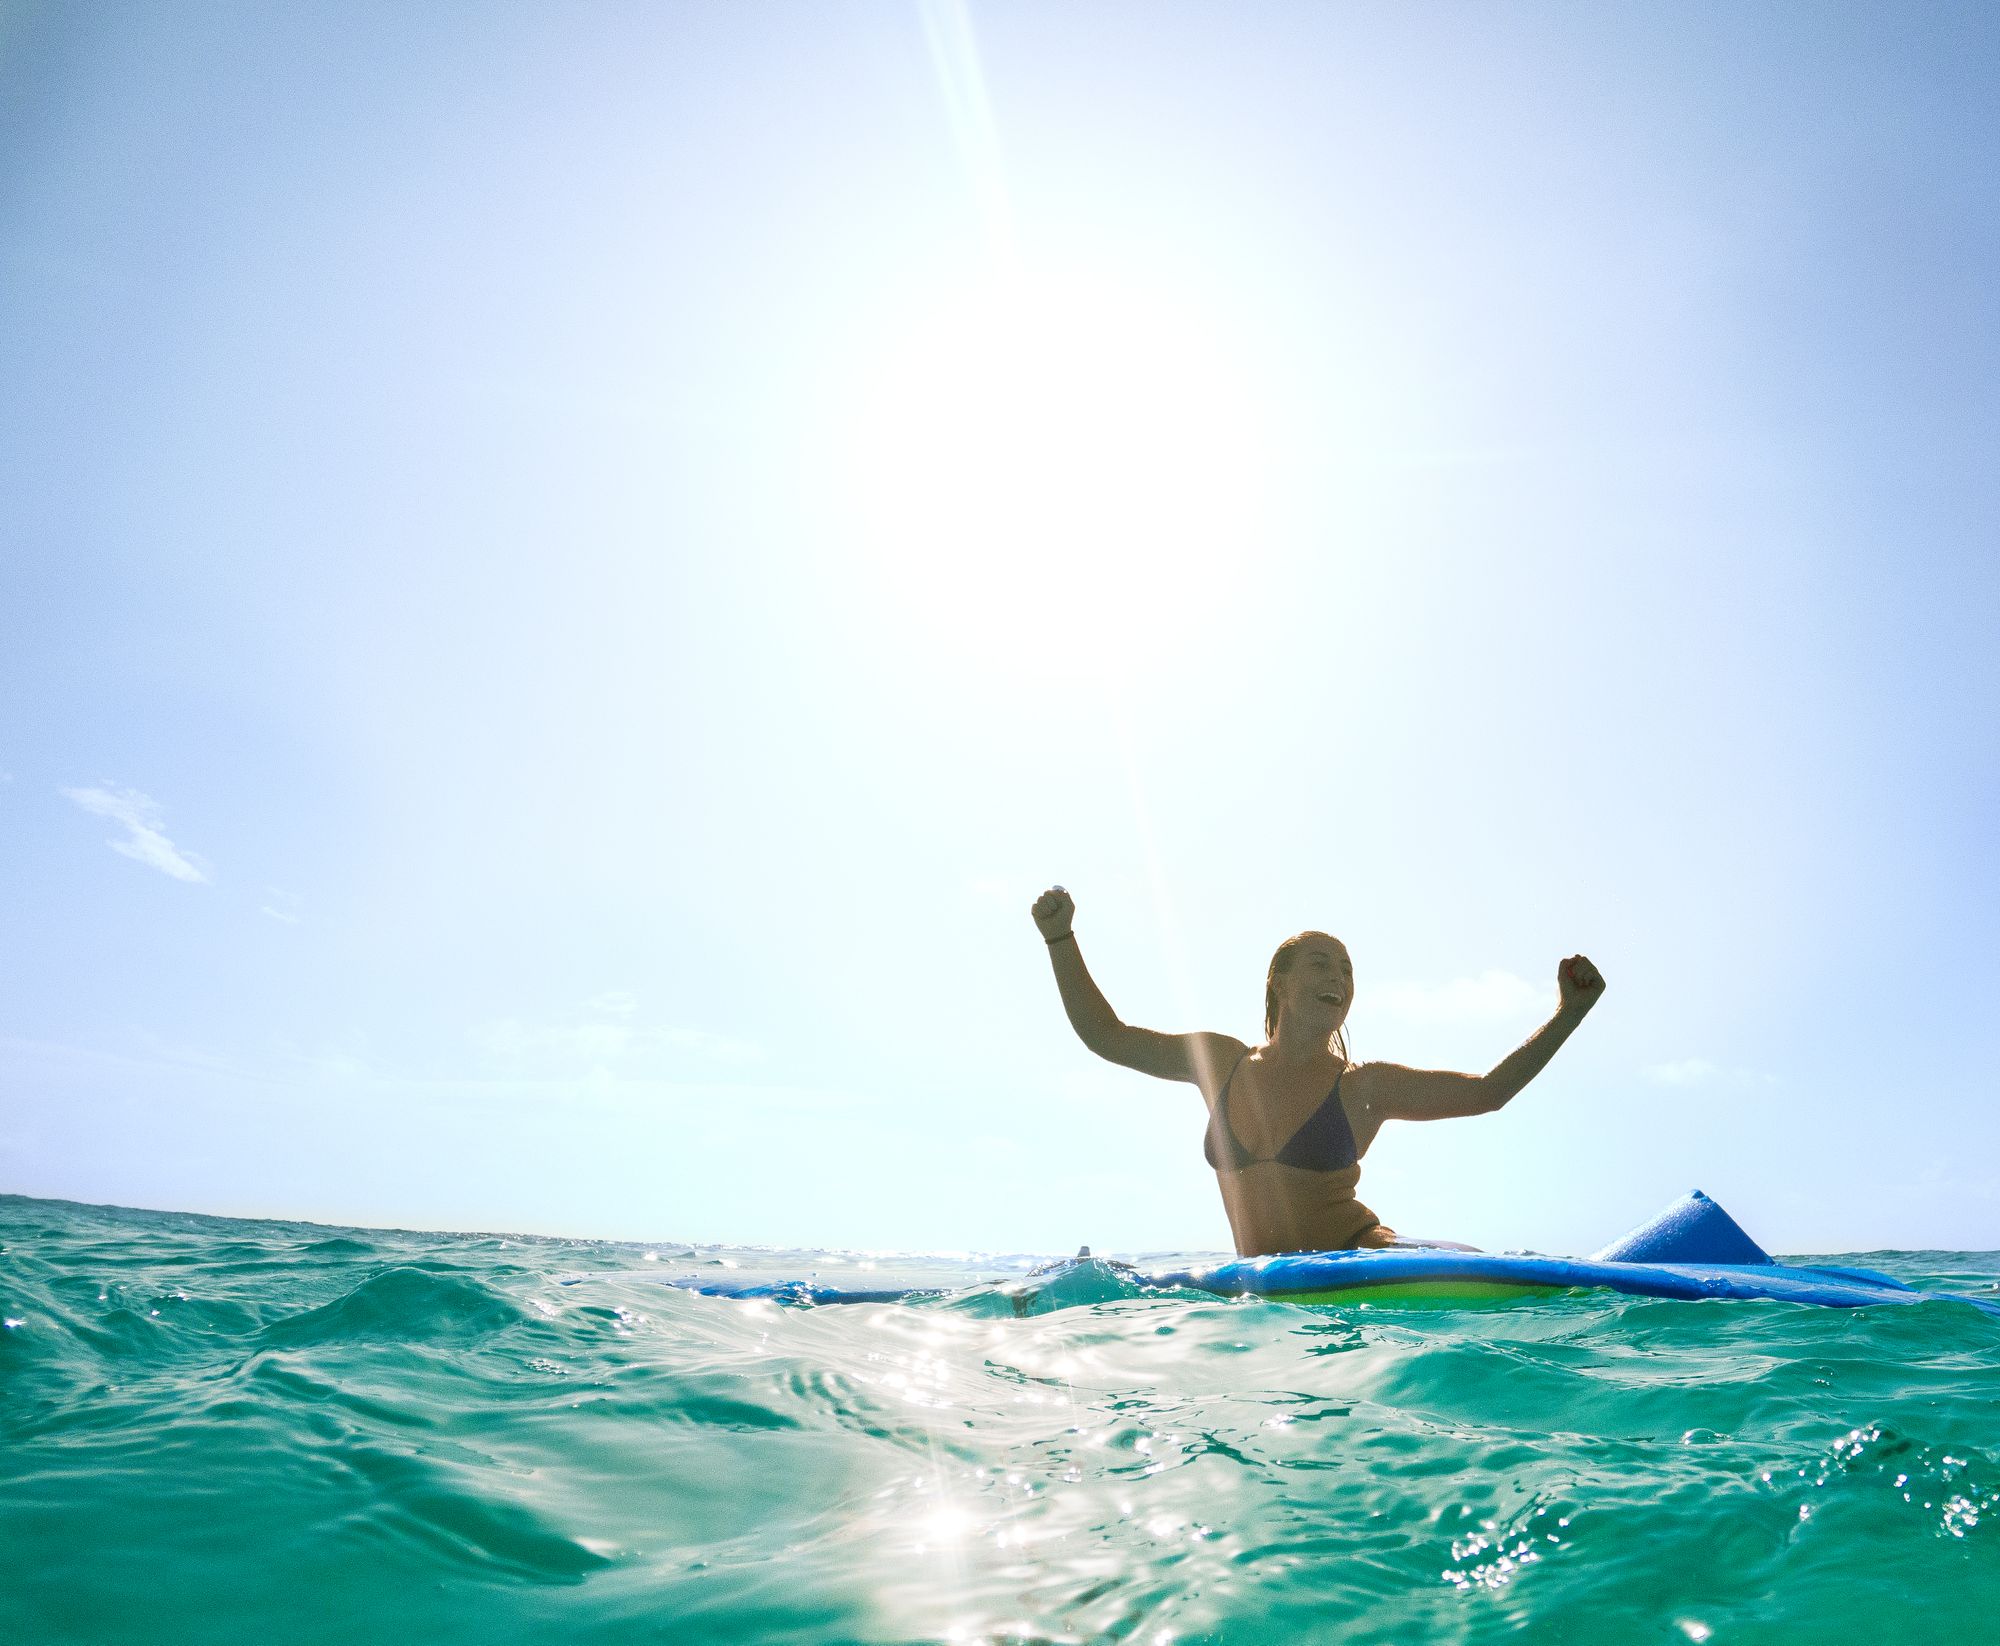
{"type": "Point", "coordinates": [1037, 465]}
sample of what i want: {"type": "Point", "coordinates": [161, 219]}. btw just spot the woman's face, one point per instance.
{"type": "Point", "coordinates": [1316, 992]}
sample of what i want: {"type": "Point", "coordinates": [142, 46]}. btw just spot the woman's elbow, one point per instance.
{"type": "Point", "coordinates": [1101, 1038]}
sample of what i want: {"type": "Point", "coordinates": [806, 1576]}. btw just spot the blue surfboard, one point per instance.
{"type": "Point", "coordinates": [1692, 1250]}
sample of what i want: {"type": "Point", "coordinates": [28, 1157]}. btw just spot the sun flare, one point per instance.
{"type": "Point", "coordinates": [1037, 465]}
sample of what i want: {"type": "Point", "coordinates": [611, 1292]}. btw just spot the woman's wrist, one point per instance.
{"type": "Point", "coordinates": [1067, 937]}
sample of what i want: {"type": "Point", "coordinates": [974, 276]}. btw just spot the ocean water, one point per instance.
{"type": "Point", "coordinates": [214, 1430]}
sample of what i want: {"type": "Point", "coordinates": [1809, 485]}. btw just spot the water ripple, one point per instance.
{"type": "Point", "coordinates": [435, 1437]}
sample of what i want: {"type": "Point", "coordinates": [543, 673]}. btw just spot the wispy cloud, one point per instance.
{"type": "Point", "coordinates": [1491, 997]}
{"type": "Point", "coordinates": [1699, 1071]}
{"type": "Point", "coordinates": [145, 840]}
{"type": "Point", "coordinates": [281, 905]}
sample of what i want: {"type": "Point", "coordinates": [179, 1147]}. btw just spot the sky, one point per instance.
{"type": "Point", "coordinates": [568, 574]}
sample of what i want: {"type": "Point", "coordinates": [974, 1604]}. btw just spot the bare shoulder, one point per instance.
{"type": "Point", "coordinates": [1365, 1086]}
{"type": "Point", "coordinates": [1213, 1058]}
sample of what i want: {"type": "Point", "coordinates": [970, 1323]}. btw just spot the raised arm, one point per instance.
{"type": "Point", "coordinates": [1191, 1057]}
{"type": "Point", "coordinates": [1397, 1093]}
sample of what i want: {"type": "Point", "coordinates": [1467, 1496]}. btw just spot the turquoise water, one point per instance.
{"type": "Point", "coordinates": [218, 1430]}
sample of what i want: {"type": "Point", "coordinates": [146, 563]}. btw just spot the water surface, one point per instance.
{"type": "Point", "coordinates": [219, 1430]}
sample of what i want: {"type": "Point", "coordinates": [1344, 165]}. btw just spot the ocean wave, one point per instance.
{"type": "Point", "coordinates": [338, 1435]}
{"type": "Point", "coordinates": [402, 1305]}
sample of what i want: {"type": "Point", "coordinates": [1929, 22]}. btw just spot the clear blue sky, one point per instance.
{"type": "Point", "coordinates": [570, 572]}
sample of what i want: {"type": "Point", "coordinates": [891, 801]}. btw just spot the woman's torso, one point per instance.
{"type": "Point", "coordinates": [1275, 1206]}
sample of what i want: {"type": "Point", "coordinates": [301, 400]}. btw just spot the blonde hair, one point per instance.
{"type": "Point", "coordinates": [1281, 963]}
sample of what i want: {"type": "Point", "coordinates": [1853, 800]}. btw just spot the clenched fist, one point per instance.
{"type": "Point", "coordinates": [1053, 912]}
{"type": "Point", "coordinates": [1581, 984]}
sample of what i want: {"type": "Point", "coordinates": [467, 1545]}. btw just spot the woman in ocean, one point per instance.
{"type": "Point", "coordinates": [1289, 1121]}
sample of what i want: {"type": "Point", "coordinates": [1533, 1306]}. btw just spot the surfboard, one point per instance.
{"type": "Point", "coordinates": [1692, 1250]}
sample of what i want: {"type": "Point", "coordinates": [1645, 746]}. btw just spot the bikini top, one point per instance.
{"type": "Point", "coordinates": [1325, 1143]}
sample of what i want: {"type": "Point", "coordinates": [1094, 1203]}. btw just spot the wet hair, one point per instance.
{"type": "Point", "coordinates": [1281, 963]}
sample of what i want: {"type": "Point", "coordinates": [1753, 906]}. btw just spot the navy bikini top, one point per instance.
{"type": "Point", "coordinates": [1325, 1143]}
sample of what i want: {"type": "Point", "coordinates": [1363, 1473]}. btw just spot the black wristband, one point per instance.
{"type": "Point", "coordinates": [1067, 937]}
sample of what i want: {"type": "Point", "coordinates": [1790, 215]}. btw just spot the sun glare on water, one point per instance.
{"type": "Point", "coordinates": [1058, 473]}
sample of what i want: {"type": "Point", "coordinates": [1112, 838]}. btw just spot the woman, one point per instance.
{"type": "Point", "coordinates": [1289, 1121]}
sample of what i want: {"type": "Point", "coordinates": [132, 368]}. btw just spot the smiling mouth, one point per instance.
{"type": "Point", "coordinates": [1330, 998]}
